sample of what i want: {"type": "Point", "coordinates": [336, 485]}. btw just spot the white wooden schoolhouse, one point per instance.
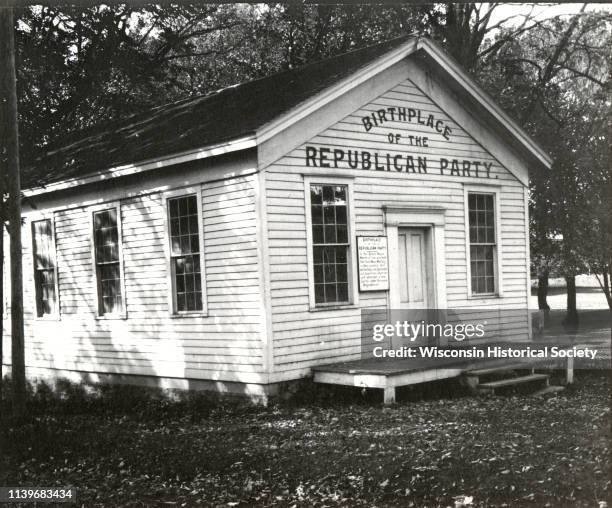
{"type": "Point", "coordinates": [212, 243]}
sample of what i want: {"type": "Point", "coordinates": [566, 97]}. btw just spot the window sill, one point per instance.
{"type": "Point", "coordinates": [189, 315]}
{"type": "Point", "coordinates": [345, 306]}
{"type": "Point", "coordinates": [111, 317]}
{"type": "Point", "coordinates": [485, 297]}
{"type": "Point", "coordinates": [47, 318]}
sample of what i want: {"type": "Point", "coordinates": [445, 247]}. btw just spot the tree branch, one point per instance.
{"type": "Point", "coordinates": [585, 75]}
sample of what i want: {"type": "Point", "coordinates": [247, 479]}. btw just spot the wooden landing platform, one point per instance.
{"type": "Point", "coordinates": [389, 373]}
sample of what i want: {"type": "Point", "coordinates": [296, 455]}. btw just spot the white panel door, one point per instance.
{"type": "Point", "coordinates": [413, 280]}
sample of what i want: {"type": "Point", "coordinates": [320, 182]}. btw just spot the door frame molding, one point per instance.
{"type": "Point", "coordinates": [424, 217]}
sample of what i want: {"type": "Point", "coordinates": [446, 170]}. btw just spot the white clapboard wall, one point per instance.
{"type": "Point", "coordinates": [229, 343]}
{"type": "Point", "coordinates": [226, 345]}
{"type": "Point", "coordinates": [303, 338]}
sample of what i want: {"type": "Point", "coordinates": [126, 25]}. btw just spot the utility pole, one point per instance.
{"type": "Point", "coordinates": [8, 89]}
{"type": "Point", "coordinates": [2, 274]}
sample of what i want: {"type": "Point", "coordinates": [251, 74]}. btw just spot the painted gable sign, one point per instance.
{"type": "Point", "coordinates": [404, 136]}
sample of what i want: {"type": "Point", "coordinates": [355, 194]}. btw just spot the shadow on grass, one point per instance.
{"type": "Point", "coordinates": [68, 399]}
{"type": "Point", "coordinates": [519, 451]}
{"type": "Point", "coordinates": [65, 398]}
{"type": "Point", "coordinates": [588, 320]}
{"type": "Point", "coordinates": [306, 392]}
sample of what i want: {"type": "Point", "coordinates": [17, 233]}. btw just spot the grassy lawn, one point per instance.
{"type": "Point", "coordinates": [587, 298]}
{"type": "Point", "coordinates": [122, 448]}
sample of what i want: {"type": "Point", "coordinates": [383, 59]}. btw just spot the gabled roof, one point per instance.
{"type": "Point", "coordinates": [243, 115]}
{"type": "Point", "coordinates": [228, 114]}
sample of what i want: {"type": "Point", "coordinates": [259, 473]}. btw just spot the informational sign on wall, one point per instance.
{"type": "Point", "coordinates": [373, 263]}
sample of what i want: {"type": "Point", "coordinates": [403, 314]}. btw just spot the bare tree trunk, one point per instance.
{"type": "Point", "coordinates": [606, 284]}
{"type": "Point", "coordinates": [9, 91]}
{"type": "Point", "coordinates": [3, 127]}
{"type": "Point", "coordinates": [543, 294]}
{"type": "Point", "coordinates": [543, 291]}
{"type": "Point", "coordinates": [571, 317]}
{"type": "Point", "coordinates": [2, 174]}
{"type": "Point", "coordinates": [3, 137]}
{"type": "Point", "coordinates": [1, 278]}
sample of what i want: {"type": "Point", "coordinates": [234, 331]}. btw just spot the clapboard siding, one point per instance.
{"type": "Point", "coordinates": [244, 299]}
{"type": "Point", "coordinates": [225, 345]}
{"type": "Point", "coordinates": [303, 338]}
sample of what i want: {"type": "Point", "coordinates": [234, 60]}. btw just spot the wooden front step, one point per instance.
{"type": "Point", "coordinates": [492, 385]}
{"type": "Point", "coordinates": [498, 369]}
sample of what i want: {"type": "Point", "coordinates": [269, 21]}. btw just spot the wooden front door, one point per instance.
{"type": "Point", "coordinates": [415, 282]}
{"type": "Point", "coordinates": [414, 269]}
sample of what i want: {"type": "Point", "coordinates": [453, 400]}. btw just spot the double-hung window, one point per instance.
{"type": "Point", "coordinates": [108, 266]}
{"type": "Point", "coordinates": [482, 242]}
{"type": "Point", "coordinates": [329, 213]}
{"type": "Point", "coordinates": [185, 253]}
{"type": "Point", "coordinates": [45, 268]}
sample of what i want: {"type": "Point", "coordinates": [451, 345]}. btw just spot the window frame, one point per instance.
{"type": "Point", "coordinates": [55, 315]}
{"type": "Point", "coordinates": [353, 293]}
{"type": "Point", "coordinates": [495, 191]}
{"type": "Point", "coordinates": [95, 282]}
{"type": "Point", "coordinates": [172, 307]}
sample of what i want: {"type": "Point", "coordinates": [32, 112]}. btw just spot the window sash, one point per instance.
{"type": "Point", "coordinates": [46, 297]}
{"type": "Point", "coordinates": [45, 275]}
{"type": "Point", "coordinates": [107, 246]}
{"type": "Point", "coordinates": [110, 284]}
{"type": "Point", "coordinates": [482, 242]}
{"type": "Point", "coordinates": [185, 256]}
{"type": "Point", "coordinates": [331, 282]}
{"type": "Point", "coordinates": [330, 243]}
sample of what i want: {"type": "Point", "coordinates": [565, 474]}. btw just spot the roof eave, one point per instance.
{"type": "Point", "coordinates": [230, 146]}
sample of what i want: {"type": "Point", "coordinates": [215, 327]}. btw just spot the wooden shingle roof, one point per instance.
{"type": "Point", "coordinates": [196, 122]}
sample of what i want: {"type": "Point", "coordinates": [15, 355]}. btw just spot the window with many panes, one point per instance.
{"type": "Point", "coordinates": [108, 262]}
{"type": "Point", "coordinates": [185, 262]}
{"type": "Point", "coordinates": [481, 209]}
{"type": "Point", "coordinates": [45, 274]}
{"type": "Point", "coordinates": [330, 243]}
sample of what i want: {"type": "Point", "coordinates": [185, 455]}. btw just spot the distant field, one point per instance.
{"type": "Point", "coordinates": [589, 295]}
{"type": "Point", "coordinates": [582, 281]}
